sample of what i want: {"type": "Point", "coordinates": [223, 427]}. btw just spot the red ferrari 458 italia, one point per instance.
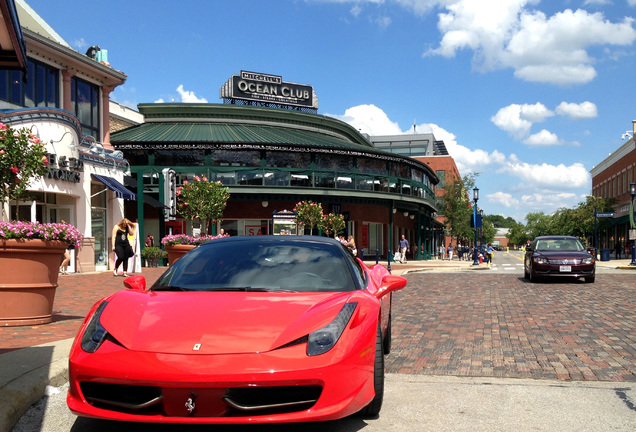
{"type": "Point", "coordinates": [240, 330]}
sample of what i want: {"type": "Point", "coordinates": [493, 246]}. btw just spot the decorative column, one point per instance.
{"type": "Point", "coordinates": [106, 91]}
{"type": "Point", "coordinates": [66, 90]}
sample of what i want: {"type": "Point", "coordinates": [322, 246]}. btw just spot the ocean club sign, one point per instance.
{"type": "Point", "coordinates": [258, 87]}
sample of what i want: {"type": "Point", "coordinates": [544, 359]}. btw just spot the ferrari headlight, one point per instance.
{"type": "Point", "coordinates": [95, 333]}
{"type": "Point", "coordinates": [324, 339]}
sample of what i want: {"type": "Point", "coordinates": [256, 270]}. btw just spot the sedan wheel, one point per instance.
{"type": "Point", "coordinates": [373, 409]}
{"type": "Point", "coordinates": [590, 279]}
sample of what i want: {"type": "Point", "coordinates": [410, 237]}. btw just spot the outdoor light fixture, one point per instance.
{"type": "Point", "coordinates": [406, 213]}
{"type": "Point", "coordinates": [632, 223]}
{"type": "Point", "coordinates": [264, 203]}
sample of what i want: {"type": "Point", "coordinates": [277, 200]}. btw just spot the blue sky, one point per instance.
{"type": "Point", "coordinates": [529, 94]}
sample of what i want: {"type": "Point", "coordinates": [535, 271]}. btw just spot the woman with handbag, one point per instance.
{"type": "Point", "coordinates": [121, 245]}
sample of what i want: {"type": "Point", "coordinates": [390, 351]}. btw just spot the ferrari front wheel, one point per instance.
{"type": "Point", "coordinates": [373, 409]}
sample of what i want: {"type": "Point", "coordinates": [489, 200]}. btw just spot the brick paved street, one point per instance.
{"type": "Point", "coordinates": [499, 325]}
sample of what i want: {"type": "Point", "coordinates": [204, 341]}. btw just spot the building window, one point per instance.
{"type": "Point", "coordinates": [442, 179]}
{"type": "Point", "coordinates": [85, 106]}
{"type": "Point", "coordinates": [40, 89]}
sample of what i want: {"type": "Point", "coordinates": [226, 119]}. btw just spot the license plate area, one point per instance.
{"type": "Point", "coordinates": [565, 269]}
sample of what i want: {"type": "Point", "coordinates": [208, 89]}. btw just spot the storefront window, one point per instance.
{"type": "Point", "coordinates": [371, 166]}
{"type": "Point", "coordinates": [364, 183]}
{"type": "Point", "coordinates": [40, 89]}
{"type": "Point", "coordinates": [250, 178]}
{"type": "Point", "coordinates": [276, 178]}
{"type": "Point", "coordinates": [179, 158]}
{"type": "Point", "coordinates": [137, 157]}
{"type": "Point", "coordinates": [334, 162]}
{"type": "Point", "coordinates": [325, 180]}
{"type": "Point", "coordinates": [236, 158]}
{"type": "Point", "coordinates": [85, 102]}
{"type": "Point", "coordinates": [287, 160]}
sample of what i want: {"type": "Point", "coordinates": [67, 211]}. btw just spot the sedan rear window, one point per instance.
{"type": "Point", "coordinates": [292, 266]}
{"type": "Point", "coordinates": [559, 245]}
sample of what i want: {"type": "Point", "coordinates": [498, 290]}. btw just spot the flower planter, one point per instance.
{"type": "Point", "coordinates": [27, 290]}
{"type": "Point", "coordinates": [177, 251]}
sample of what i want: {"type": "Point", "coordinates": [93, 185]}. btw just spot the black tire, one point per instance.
{"type": "Point", "coordinates": [532, 276]}
{"type": "Point", "coordinates": [590, 279]}
{"type": "Point", "coordinates": [373, 409]}
{"type": "Point", "coordinates": [526, 275]}
{"type": "Point", "coordinates": [386, 343]}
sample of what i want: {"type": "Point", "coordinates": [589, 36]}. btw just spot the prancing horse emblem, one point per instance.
{"type": "Point", "coordinates": [190, 405]}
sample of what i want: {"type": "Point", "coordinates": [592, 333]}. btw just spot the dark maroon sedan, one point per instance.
{"type": "Point", "coordinates": [558, 256]}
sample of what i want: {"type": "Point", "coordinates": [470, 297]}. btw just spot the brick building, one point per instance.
{"type": "Point", "coordinates": [611, 179]}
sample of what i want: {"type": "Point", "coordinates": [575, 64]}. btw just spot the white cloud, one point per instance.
{"type": "Point", "coordinates": [369, 119]}
{"type": "Point", "coordinates": [188, 96]}
{"type": "Point", "coordinates": [80, 44]}
{"type": "Point", "coordinates": [574, 111]}
{"type": "Point", "coordinates": [543, 138]}
{"type": "Point", "coordinates": [502, 198]}
{"type": "Point", "coordinates": [507, 34]}
{"type": "Point", "coordinates": [518, 119]}
{"type": "Point", "coordinates": [547, 175]}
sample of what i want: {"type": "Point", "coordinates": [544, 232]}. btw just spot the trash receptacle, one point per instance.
{"type": "Point", "coordinates": [605, 255]}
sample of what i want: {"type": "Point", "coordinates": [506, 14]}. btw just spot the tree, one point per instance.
{"type": "Point", "coordinates": [332, 224]}
{"type": "Point", "coordinates": [457, 208]}
{"type": "Point", "coordinates": [308, 214]}
{"type": "Point", "coordinates": [23, 159]}
{"type": "Point", "coordinates": [538, 224]}
{"type": "Point", "coordinates": [518, 234]}
{"type": "Point", "coordinates": [203, 200]}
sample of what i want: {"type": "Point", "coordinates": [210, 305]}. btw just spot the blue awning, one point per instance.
{"type": "Point", "coordinates": [119, 189]}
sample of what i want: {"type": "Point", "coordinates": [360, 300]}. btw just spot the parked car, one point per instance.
{"type": "Point", "coordinates": [559, 256]}
{"type": "Point", "coordinates": [240, 330]}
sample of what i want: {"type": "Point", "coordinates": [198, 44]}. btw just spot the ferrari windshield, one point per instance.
{"type": "Point", "coordinates": [261, 265]}
{"type": "Point", "coordinates": [559, 245]}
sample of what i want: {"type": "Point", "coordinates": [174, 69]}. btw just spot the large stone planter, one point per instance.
{"type": "Point", "coordinates": [28, 280]}
{"type": "Point", "coordinates": [177, 251]}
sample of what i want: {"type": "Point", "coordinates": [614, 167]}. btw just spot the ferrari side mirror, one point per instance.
{"type": "Point", "coordinates": [136, 283]}
{"type": "Point", "coordinates": [390, 283]}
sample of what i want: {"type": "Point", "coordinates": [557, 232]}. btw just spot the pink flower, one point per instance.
{"type": "Point", "coordinates": [14, 169]}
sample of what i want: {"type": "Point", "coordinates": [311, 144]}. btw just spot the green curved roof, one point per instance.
{"type": "Point", "coordinates": [178, 124]}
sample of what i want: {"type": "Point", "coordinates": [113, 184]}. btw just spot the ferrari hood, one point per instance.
{"type": "Point", "coordinates": [216, 322]}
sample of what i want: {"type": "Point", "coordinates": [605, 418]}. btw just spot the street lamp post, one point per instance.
{"type": "Point", "coordinates": [632, 224]}
{"type": "Point", "coordinates": [475, 199]}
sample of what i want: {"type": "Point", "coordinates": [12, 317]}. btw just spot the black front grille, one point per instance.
{"type": "Point", "coordinates": [128, 397]}
{"type": "Point", "coordinates": [210, 402]}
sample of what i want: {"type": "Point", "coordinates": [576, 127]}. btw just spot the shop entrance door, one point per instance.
{"type": "Point", "coordinates": [98, 227]}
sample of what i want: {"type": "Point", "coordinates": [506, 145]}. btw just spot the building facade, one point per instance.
{"type": "Point", "coordinates": [611, 179]}
{"type": "Point", "coordinates": [62, 96]}
{"type": "Point", "coordinates": [272, 158]}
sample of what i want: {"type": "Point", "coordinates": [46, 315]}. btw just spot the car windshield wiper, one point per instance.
{"type": "Point", "coordinates": [250, 289]}
{"type": "Point", "coordinates": [172, 288]}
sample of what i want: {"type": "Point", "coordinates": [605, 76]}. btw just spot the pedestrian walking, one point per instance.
{"type": "Point", "coordinates": [404, 248]}
{"type": "Point", "coordinates": [450, 252]}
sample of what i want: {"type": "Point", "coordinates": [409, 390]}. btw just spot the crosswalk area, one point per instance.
{"type": "Point", "coordinates": [506, 267]}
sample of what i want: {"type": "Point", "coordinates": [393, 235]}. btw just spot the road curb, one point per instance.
{"type": "Point", "coordinates": [25, 374]}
